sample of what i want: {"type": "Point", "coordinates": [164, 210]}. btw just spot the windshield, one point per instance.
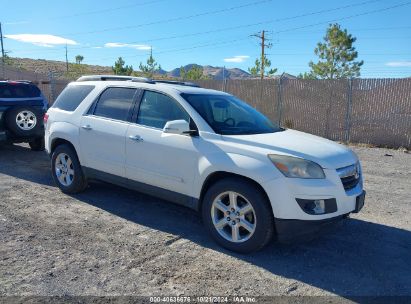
{"type": "Point", "coordinates": [228, 115]}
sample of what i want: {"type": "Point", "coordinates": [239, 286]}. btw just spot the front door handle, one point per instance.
{"type": "Point", "coordinates": [87, 127]}
{"type": "Point", "coordinates": [136, 137]}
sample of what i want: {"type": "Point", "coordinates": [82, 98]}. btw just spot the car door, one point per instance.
{"type": "Point", "coordinates": [167, 161]}
{"type": "Point", "coordinates": [103, 130]}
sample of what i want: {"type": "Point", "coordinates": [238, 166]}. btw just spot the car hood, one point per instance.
{"type": "Point", "coordinates": [326, 153]}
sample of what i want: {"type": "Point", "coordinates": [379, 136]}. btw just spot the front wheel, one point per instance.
{"type": "Point", "coordinates": [66, 170]}
{"type": "Point", "coordinates": [237, 215]}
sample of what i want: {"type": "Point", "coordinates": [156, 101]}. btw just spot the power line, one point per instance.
{"type": "Point", "coordinates": [345, 18]}
{"type": "Point", "coordinates": [174, 19]}
{"type": "Point", "coordinates": [272, 21]}
{"type": "Point", "coordinates": [301, 27]}
{"type": "Point", "coordinates": [102, 11]}
{"type": "Point", "coordinates": [342, 18]}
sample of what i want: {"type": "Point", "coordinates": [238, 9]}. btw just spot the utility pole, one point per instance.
{"type": "Point", "coordinates": [263, 46]}
{"type": "Point", "coordinates": [67, 65]}
{"type": "Point", "coordinates": [2, 53]}
{"type": "Point", "coordinates": [2, 47]}
{"type": "Point", "coordinates": [262, 54]}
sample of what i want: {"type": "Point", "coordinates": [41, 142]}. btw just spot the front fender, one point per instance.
{"type": "Point", "coordinates": [259, 170]}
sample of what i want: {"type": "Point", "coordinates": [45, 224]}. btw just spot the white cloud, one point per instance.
{"type": "Point", "coordinates": [41, 39]}
{"type": "Point", "coordinates": [399, 64]}
{"type": "Point", "coordinates": [240, 58]}
{"type": "Point", "coordinates": [16, 22]}
{"type": "Point", "coordinates": [140, 47]}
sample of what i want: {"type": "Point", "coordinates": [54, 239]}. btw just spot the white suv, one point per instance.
{"type": "Point", "coordinates": [204, 149]}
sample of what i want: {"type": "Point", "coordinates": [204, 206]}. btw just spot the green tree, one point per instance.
{"type": "Point", "coordinates": [8, 60]}
{"type": "Point", "coordinates": [256, 69]}
{"type": "Point", "coordinates": [195, 73]}
{"type": "Point", "coordinates": [337, 56]}
{"type": "Point", "coordinates": [79, 59]}
{"type": "Point", "coordinates": [151, 66]}
{"type": "Point", "coordinates": [306, 75]}
{"type": "Point", "coordinates": [120, 68]}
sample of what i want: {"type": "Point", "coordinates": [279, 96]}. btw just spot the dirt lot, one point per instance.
{"type": "Point", "coordinates": [111, 241]}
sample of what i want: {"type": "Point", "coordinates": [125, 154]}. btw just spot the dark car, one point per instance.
{"type": "Point", "coordinates": [22, 108]}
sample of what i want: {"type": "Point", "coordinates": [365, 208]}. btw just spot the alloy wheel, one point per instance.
{"type": "Point", "coordinates": [233, 217]}
{"type": "Point", "coordinates": [26, 120]}
{"type": "Point", "coordinates": [64, 169]}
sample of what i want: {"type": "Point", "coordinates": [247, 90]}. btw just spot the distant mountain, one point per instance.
{"type": "Point", "coordinates": [217, 73]}
{"type": "Point", "coordinates": [43, 66]}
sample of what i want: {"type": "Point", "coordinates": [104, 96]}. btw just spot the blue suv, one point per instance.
{"type": "Point", "coordinates": [22, 108]}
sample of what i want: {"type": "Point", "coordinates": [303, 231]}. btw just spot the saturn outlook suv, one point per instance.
{"type": "Point", "coordinates": [250, 179]}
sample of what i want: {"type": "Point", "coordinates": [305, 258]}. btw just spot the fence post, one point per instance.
{"type": "Point", "coordinates": [279, 100]}
{"type": "Point", "coordinates": [348, 114]}
{"type": "Point", "coordinates": [52, 88]}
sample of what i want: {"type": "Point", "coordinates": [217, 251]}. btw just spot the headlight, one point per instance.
{"type": "Point", "coordinates": [297, 167]}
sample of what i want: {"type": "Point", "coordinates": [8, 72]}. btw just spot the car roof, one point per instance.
{"type": "Point", "coordinates": [145, 83]}
{"type": "Point", "coordinates": [16, 82]}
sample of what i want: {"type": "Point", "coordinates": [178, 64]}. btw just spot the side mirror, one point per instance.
{"type": "Point", "coordinates": [177, 127]}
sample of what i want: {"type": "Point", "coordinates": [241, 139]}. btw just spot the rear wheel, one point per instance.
{"type": "Point", "coordinates": [66, 170]}
{"type": "Point", "coordinates": [237, 215]}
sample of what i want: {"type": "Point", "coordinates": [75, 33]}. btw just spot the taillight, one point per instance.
{"type": "Point", "coordinates": [45, 118]}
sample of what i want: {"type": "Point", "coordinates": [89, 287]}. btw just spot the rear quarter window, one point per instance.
{"type": "Point", "coordinates": [19, 90]}
{"type": "Point", "coordinates": [72, 96]}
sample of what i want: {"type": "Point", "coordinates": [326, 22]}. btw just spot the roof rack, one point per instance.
{"type": "Point", "coordinates": [17, 81]}
{"type": "Point", "coordinates": [183, 83]}
{"type": "Point", "coordinates": [134, 79]}
{"type": "Point", "coordinates": [114, 78]}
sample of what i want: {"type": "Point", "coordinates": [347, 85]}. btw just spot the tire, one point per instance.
{"type": "Point", "coordinates": [70, 178]}
{"type": "Point", "coordinates": [24, 121]}
{"type": "Point", "coordinates": [260, 216]}
{"type": "Point", "coordinates": [37, 144]}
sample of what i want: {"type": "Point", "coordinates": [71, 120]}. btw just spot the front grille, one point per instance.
{"type": "Point", "coordinates": [349, 182]}
{"type": "Point", "coordinates": [350, 176]}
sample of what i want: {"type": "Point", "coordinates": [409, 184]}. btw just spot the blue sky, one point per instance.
{"type": "Point", "coordinates": [213, 32]}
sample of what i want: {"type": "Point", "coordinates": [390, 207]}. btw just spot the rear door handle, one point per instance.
{"type": "Point", "coordinates": [87, 127]}
{"type": "Point", "coordinates": [136, 137]}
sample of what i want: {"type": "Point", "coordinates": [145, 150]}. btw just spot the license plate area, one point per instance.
{"type": "Point", "coordinates": [359, 203]}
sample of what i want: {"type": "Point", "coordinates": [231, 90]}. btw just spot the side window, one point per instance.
{"type": "Point", "coordinates": [115, 103]}
{"type": "Point", "coordinates": [157, 109]}
{"type": "Point", "coordinates": [72, 96]}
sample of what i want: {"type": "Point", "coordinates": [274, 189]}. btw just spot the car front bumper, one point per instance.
{"type": "Point", "coordinates": [292, 221]}
{"type": "Point", "coordinates": [296, 230]}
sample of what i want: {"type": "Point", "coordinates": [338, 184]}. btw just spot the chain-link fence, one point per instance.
{"type": "Point", "coordinates": [372, 111]}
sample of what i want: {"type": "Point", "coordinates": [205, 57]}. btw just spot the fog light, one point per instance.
{"type": "Point", "coordinates": [319, 207]}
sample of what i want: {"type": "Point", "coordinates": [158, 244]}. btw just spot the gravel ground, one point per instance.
{"type": "Point", "coordinates": [111, 241]}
